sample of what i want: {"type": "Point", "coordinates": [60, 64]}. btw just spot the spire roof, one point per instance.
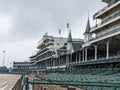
{"type": "Point", "coordinates": [87, 30]}
{"type": "Point", "coordinates": [69, 37]}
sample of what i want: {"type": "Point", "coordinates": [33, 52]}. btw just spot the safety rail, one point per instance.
{"type": "Point", "coordinates": [110, 60]}
{"type": "Point", "coordinates": [17, 85]}
{"type": "Point", "coordinates": [106, 20]}
{"type": "Point", "coordinates": [105, 34]}
{"type": "Point", "coordinates": [106, 7]}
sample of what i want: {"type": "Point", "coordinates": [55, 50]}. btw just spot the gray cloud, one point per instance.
{"type": "Point", "coordinates": [32, 18]}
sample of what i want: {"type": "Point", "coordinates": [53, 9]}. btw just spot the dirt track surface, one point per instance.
{"type": "Point", "coordinates": [7, 81]}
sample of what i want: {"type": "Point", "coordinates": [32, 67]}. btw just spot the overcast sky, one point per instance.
{"type": "Point", "coordinates": [24, 22]}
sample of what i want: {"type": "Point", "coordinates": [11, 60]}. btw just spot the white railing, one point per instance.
{"type": "Point", "coordinates": [106, 7]}
{"type": "Point", "coordinates": [104, 21]}
{"type": "Point", "coordinates": [96, 26]}
{"type": "Point", "coordinates": [103, 9]}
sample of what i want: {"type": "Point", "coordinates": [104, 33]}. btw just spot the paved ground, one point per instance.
{"type": "Point", "coordinates": [7, 81]}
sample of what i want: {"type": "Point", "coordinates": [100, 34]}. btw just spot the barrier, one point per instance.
{"type": "Point", "coordinates": [17, 85]}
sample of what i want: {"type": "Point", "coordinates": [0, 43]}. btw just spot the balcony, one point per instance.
{"type": "Point", "coordinates": [45, 58]}
{"type": "Point", "coordinates": [107, 1]}
{"type": "Point", "coordinates": [43, 55]}
{"type": "Point", "coordinates": [106, 35]}
{"type": "Point", "coordinates": [36, 68]}
{"type": "Point", "coordinates": [114, 59]}
{"type": "Point", "coordinates": [41, 45]}
{"type": "Point", "coordinates": [45, 43]}
{"type": "Point", "coordinates": [105, 22]}
{"type": "Point", "coordinates": [32, 59]}
{"type": "Point", "coordinates": [45, 49]}
{"type": "Point", "coordinates": [111, 5]}
{"type": "Point", "coordinates": [48, 38]}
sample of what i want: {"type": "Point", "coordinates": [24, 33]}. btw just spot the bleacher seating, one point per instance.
{"type": "Point", "coordinates": [87, 75]}
{"type": "Point", "coordinates": [79, 78]}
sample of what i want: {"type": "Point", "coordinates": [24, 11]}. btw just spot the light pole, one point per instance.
{"type": "Point", "coordinates": [59, 49]}
{"type": "Point", "coordinates": [3, 57]}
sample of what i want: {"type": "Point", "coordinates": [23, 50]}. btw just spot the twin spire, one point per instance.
{"type": "Point", "coordinates": [69, 35]}
{"type": "Point", "coordinates": [87, 30]}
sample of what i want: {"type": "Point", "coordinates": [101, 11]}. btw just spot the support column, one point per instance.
{"type": "Point", "coordinates": [55, 61]}
{"type": "Point", "coordinates": [43, 64]}
{"type": "Point", "coordinates": [107, 51]}
{"type": "Point", "coordinates": [71, 58]}
{"type": "Point", "coordinates": [96, 22]}
{"type": "Point", "coordinates": [76, 58]}
{"type": "Point", "coordinates": [85, 54]}
{"type": "Point", "coordinates": [79, 57]}
{"type": "Point", "coordinates": [95, 52]}
{"type": "Point", "coordinates": [51, 62]}
{"type": "Point", "coordinates": [59, 61]}
{"type": "Point", "coordinates": [46, 64]}
{"type": "Point", "coordinates": [67, 59]}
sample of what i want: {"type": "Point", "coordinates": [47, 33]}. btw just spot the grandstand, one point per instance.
{"type": "Point", "coordinates": [95, 77]}
{"type": "Point", "coordinates": [92, 64]}
{"type": "Point", "coordinates": [97, 62]}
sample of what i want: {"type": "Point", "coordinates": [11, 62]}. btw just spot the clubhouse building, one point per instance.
{"type": "Point", "coordinates": [99, 49]}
